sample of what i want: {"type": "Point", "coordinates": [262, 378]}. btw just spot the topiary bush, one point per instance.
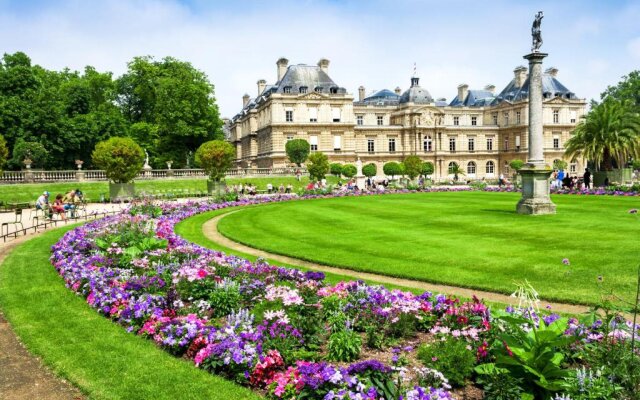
{"type": "Point", "coordinates": [412, 166]}
{"type": "Point", "coordinates": [335, 169]}
{"type": "Point", "coordinates": [427, 169]}
{"type": "Point", "coordinates": [516, 164]}
{"type": "Point", "coordinates": [120, 158]}
{"type": "Point", "coordinates": [392, 168]}
{"type": "Point", "coordinates": [215, 157]}
{"type": "Point", "coordinates": [369, 170]}
{"type": "Point", "coordinates": [297, 151]}
{"type": "Point", "coordinates": [349, 170]}
{"type": "Point", "coordinates": [318, 166]}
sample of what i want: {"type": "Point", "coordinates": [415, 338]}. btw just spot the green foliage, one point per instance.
{"type": "Point", "coordinates": [427, 169]}
{"type": "Point", "coordinates": [614, 360]}
{"type": "Point", "coordinates": [451, 357]}
{"type": "Point", "coordinates": [370, 170]}
{"type": "Point", "coordinates": [318, 166]}
{"type": "Point", "coordinates": [609, 133]}
{"type": "Point", "coordinates": [121, 159]}
{"type": "Point", "coordinates": [4, 152]}
{"type": "Point", "coordinates": [177, 104]}
{"type": "Point", "coordinates": [498, 384]}
{"type": "Point", "coordinates": [297, 150]}
{"type": "Point", "coordinates": [349, 170]}
{"type": "Point", "coordinates": [344, 345]}
{"type": "Point", "coordinates": [636, 165]}
{"type": "Point", "coordinates": [335, 169]}
{"type": "Point", "coordinates": [627, 90]}
{"type": "Point", "coordinates": [560, 165]}
{"type": "Point", "coordinates": [146, 209]}
{"type": "Point", "coordinates": [32, 150]}
{"type": "Point", "coordinates": [534, 355]}
{"type": "Point", "coordinates": [478, 185]}
{"type": "Point", "coordinates": [584, 384]}
{"type": "Point", "coordinates": [224, 298]}
{"type": "Point", "coordinates": [516, 164]}
{"type": "Point", "coordinates": [412, 166]}
{"type": "Point", "coordinates": [216, 157]}
{"type": "Point", "coordinates": [392, 168]}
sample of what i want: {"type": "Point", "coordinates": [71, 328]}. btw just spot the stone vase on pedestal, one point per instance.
{"type": "Point", "coordinates": [535, 191]}
{"type": "Point", "coordinates": [119, 192]}
{"type": "Point", "coordinates": [216, 188]}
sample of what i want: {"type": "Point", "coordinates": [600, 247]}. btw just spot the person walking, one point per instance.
{"type": "Point", "coordinates": [587, 179]}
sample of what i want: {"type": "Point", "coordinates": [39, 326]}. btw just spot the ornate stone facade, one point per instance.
{"type": "Point", "coordinates": [479, 130]}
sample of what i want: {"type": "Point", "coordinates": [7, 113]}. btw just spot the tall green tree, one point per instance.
{"type": "Point", "coordinates": [297, 150]}
{"type": "Point", "coordinates": [412, 166]}
{"type": "Point", "coordinates": [610, 133]}
{"type": "Point", "coordinates": [627, 90]}
{"type": "Point", "coordinates": [175, 103]}
{"type": "Point", "coordinates": [215, 157]}
{"type": "Point", "coordinates": [4, 152]}
{"type": "Point", "coordinates": [318, 166]}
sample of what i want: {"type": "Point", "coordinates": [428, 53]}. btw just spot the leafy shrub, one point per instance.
{"type": "Point", "coordinates": [297, 151]}
{"type": "Point", "coordinates": [215, 157]}
{"type": "Point", "coordinates": [35, 151]}
{"type": "Point", "coordinates": [344, 345]}
{"type": "Point", "coordinates": [318, 166]}
{"type": "Point", "coordinates": [616, 361]}
{"type": "Point", "coordinates": [427, 169]}
{"type": "Point", "coordinates": [224, 298]}
{"type": "Point", "coordinates": [349, 170]}
{"type": "Point", "coordinates": [412, 166]}
{"type": "Point", "coordinates": [498, 384]}
{"type": "Point", "coordinates": [120, 158]}
{"type": "Point", "coordinates": [370, 170]}
{"type": "Point", "coordinates": [335, 169]}
{"type": "Point", "coordinates": [478, 185]}
{"type": "Point", "coordinates": [146, 209]}
{"type": "Point", "coordinates": [587, 384]}
{"type": "Point", "coordinates": [4, 152]}
{"type": "Point", "coordinates": [451, 357]}
{"type": "Point", "coordinates": [392, 168]}
{"type": "Point", "coordinates": [516, 164]}
{"type": "Point", "coordinates": [560, 165]}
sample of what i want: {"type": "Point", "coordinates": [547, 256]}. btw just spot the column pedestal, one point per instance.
{"type": "Point", "coordinates": [361, 181]}
{"type": "Point", "coordinates": [535, 191]}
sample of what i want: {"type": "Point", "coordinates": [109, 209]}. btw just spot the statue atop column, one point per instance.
{"type": "Point", "coordinates": [536, 32]}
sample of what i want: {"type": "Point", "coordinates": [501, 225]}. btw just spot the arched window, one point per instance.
{"type": "Point", "coordinates": [453, 167]}
{"type": "Point", "coordinates": [491, 167]}
{"type": "Point", "coordinates": [427, 143]}
{"type": "Point", "coordinates": [471, 168]}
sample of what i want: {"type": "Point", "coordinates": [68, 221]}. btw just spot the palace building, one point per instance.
{"type": "Point", "coordinates": [480, 130]}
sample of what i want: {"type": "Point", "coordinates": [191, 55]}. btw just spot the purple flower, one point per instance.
{"type": "Point", "coordinates": [633, 211]}
{"type": "Point", "coordinates": [565, 261]}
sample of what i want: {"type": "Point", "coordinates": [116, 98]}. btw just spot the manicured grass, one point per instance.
{"type": "Point", "coordinates": [470, 239]}
{"type": "Point", "coordinates": [17, 193]}
{"type": "Point", "coordinates": [96, 355]}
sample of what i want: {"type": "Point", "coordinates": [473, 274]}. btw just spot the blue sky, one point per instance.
{"type": "Point", "coordinates": [369, 43]}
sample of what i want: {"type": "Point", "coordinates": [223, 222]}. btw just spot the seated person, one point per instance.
{"type": "Point", "coordinates": [70, 201]}
{"type": "Point", "coordinates": [58, 206]}
{"type": "Point", "coordinates": [43, 204]}
{"type": "Point", "coordinates": [566, 182]}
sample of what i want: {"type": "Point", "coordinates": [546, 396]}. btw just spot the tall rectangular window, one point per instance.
{"type": "Point", "coordinates": [556, 116]}
{"type": "Point", "coordinates": [337, 142]}
{"type": "Point", "coordinates": [380, 120]}
{"type": "Point", "coordinates": [517, 117]}
{"type": "Point", "coordinates": [506, 143]}
{"type": "Point", "coordinates": [506, 118]}
{"type": "Point", "coordinates": [427, 143]}
{"type": "Point", "coordinates": [359, 120]}
{"type": "Point", "coordinates": [336, 113]}
{"type": "Point", "coordinates": [474, 121]}
{"type": "Point", "coordinates": [456, 121]}
{"type": "Point", "coordinates": [574, 115]}
{"type": "Point", "coordinates": [392, 145]}
{"type": "Point", "coordinates": [313, 142]}
{"type": "Point", "coordinates": [289, 115]}
{"type": "Point", "coordinates": [313, 114]}
{"type": "Point", "coordinates": [490, 144]}
{"type": "Point", "coordinates": [472, 144]}
{"type": "Point", "coordinates": [517, 142]}
{"type": "Point", "coordinates": [452, 144]}
{"type": "Point", "coordinates": [371, 146]}
{"type": "Point", "coordinates": [556, 142]}
{"type": "Point", "coordinates": [495, 118]}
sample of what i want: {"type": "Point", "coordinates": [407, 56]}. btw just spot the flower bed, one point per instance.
{"type": "Point", "coordinates": [608, 191]}
{"type": "Point", "coordinates": [288, 334]}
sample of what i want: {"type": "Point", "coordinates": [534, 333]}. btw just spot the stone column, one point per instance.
{"type": "Point", "coordinates": [535, 174]}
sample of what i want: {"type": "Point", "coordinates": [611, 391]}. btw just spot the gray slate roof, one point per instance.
{"type": "Point", "coordinates": [310, 76]}
{"type": "Point", "coordinates": [475, 98]}
{"type": "Point", "coordinates": [384, 97]}
{"type": "Point", "coordinates": [416, 94]}
{"type": "Point", "coordinates": [551, 88]}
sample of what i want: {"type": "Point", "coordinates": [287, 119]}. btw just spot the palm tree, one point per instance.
{"type": "Point", "coordinates": [456, 170]}
{"type": "Point", "coordinates": [610, 132]}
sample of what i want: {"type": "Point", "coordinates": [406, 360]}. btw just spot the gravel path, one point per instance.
{"type": "Point", "coordinates": [210, 230]}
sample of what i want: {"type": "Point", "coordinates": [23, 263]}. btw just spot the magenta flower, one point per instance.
{"type": "Point", "coordinates": [565, 261]}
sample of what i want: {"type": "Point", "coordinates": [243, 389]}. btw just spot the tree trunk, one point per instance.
{"type": "Point", "coordinates": [606, 160]}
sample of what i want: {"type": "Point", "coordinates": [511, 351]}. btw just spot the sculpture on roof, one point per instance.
{"type": "Point", "coordinates": [536, 33]}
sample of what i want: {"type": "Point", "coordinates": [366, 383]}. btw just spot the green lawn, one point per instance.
{"type": "Point", "coordinates": [93, 353]}
{"type": "Point", "coordinates": [29, 192]}
{"type": "Point", "coordinates": [470, 239]}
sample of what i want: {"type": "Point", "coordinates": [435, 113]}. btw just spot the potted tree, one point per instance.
{"type": "Point", "coordinates": [215, 157]}
{"type": "Point", "coordinates": [297, 151]}
{"type": "Point", "coordinates": [412, 167]}
{"type": "Point", "coordinates": [121, 159]}
{"type": "Point", "coordinates": [318, 166]}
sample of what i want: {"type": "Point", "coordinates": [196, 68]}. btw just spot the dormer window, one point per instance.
{"type": "Point", "coordinates": [287, 89]}
{"type": "Point", "coordinates": [318, 89]}
{"type": "Point", "coordinates": [303, 89]}
{"type": "Point", "coordinates": [333, 90]}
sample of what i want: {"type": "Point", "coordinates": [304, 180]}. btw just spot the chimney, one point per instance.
{"type": "Point", "coordinates": [361, 93]}
{"type": "Point", "coordinates": [398, 90]}
{"type": "Point", "coordinates": [520, 75]}
{"type": "Point", "coordinates": [490, 88]}
{"type": "Point", "coordinates": [414, 81]}
{"type": "Point", "coordinates": [245, 100]}
{"type": "Point", "coordinates": [324, 65]}
{"type": "Point", "coordinates": [261, 85]}
{"type": "Point", "coordinates": [553, 71]}
{"type": "Point", "coordinates": [282, 67]}
{"type": "Point", "coordinates": [462, 92]}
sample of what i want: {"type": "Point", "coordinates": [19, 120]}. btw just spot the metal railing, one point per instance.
{"type": "Point", "coordinates": [31, 176]}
